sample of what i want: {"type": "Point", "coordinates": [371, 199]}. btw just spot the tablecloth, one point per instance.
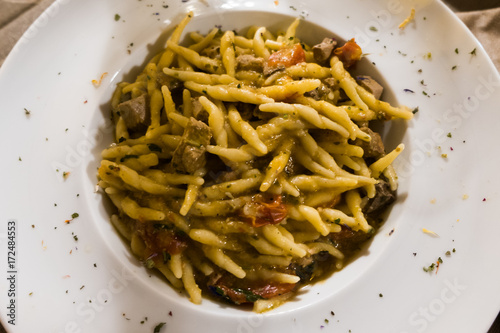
{"type": "Point", "coordinates": [481, 16]}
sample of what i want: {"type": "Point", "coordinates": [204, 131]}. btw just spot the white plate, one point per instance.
{"type": "Point", "coordinates": [94, 284]}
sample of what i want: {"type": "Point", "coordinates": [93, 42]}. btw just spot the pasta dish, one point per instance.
{"type": "Point", "coordinates": [244, 166]}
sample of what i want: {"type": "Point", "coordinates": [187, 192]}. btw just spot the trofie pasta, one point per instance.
{"type": "Point", "coordinates": [244, 167]}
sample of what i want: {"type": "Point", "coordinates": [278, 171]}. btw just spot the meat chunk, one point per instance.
{"type": "Point", "coordinates": [384, 196]}
{"type": "Point", "coordinates": [135, 112]}
{"type": "Point", "coordinates": [322, 92]}
{"type": "Point", "coordinates": [189, 155]}
{"type": "Point", "coordinates": [373, 148]}
{"type": "Point", "coordinates": [211, 52]}
{"type": "Point", "coordinates": [247, 62]}
{"type": "Point", "coordinates": [370, 84]}
{"type": "Point", "coordinates": [198, 111]}
{"type": "Point", "coordinates": [324, 50]}
{"type": "Point", "coordinates": [348, 240]}
{"type": "Point", "coordinates": [169, 81]}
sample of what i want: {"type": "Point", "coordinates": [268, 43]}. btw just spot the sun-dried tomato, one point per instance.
{"type": "Point", "coordinates": [349, 53]}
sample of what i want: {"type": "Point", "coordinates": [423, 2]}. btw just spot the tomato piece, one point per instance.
{"type": "Point", "coordinates": [243, 291]}
{"type": "Point", "coordinates": [260, 212]}
{"type": "Point", "coordinates": [159, 240]}
{"type": "Point", "coordinates": [288, 56]}
{"type": "Point", "coordinates": [349, 53]}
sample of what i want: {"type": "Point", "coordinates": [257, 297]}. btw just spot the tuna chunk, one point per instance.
{"type": "Point", "coordinates": [211, 52]}
{"type": "Point", "coordinates": [135, 112]}
{"type": "Point", "coordinates": [198, 111]}
{"type": "Point", "coordinates": [373, 148]}
{"type": "Point", "coordinates": [324, 50]}
{"type": "Point", "coordinates": [371, 85]}
{"type": "Point", "coordinates": [347, 240]}
{"type": "Point", "coordinates": [189, 155]}
{"type": "Point", "coordinates": [383, 198]}
{"type": "Point", "coordinates": [247, 62]}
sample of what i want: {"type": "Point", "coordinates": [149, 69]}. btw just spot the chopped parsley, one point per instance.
{"type": "Point", "coordinates": [449, 135]}
{"type": "Point", "coordinates": [158, 327]}
{"type": "Point", "coordinates": [117, 17]}
{"type": "Point", "coordinates": [250, 296]}
{"type": "Point", "coordinates": [473, 52]}
{"type": "Point", "coordinates": [124, 158]}
{"type": "Point", "coordinates": [154, 147]}
{"type": "Point", "coordinates": [453, 68]}
{"type": "Point", "coordinates": [372, 28]}
{"type": "Point", "coordinates": [74, 215]}
{"type": "Point", "coordinates": [430, 268]}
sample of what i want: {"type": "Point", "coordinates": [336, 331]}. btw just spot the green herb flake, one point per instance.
{"type": "Point", "coordinates": [74, 215]}
{"type": "Point", "coordinates": [453, 68]}
{"type": "Point", "coordinates": [372, 28]}
{"type": "Point", "coordinates": [27, 112]}
{"type": "Point", "coordinates": [456, 50]}
{"type": "Point", "coordinates": [166, 256]}
{"type": "Point", "coordinates": [430, 268]}
{"type": "Point", "coordinates": [158, 327]}
{"type": "Point", "coordinates": [380, 295]}
{"type": "Point", "coordinates": [149, 263]}
{"type": "Point", "coordinates": [415, 110]}
{"type": "Point", "coordinates": [250, 296]}
{"type": "Point", "coordinates": [473, 52]}
{"type": "Point", "coordinates": [440, 260]}
{"type": "Point", "coordinates": [127, 157]}
{"type": "Point", "coordinates": [219, 291]}
{"type": "Point", "coordinates": [449, 135]}
{"type": "Point", "coordinates": [448, 253]}
{"type": "Point", "coordinates": [75, 237]}
{"type": "Point", "coordinates": [238, 86]}
{"type": "Point", "coordinates": [154, 147]}
{"type": "Point", "coordinates": [453, 250]}
{"type": "Point", "coordinates": [117, 17]}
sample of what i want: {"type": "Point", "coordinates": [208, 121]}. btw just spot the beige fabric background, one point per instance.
{"type": "Point", "coordinates": [481, 16]}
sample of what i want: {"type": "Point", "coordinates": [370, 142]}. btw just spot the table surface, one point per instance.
{"type": "Point", "coordinates": [481, 16]}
